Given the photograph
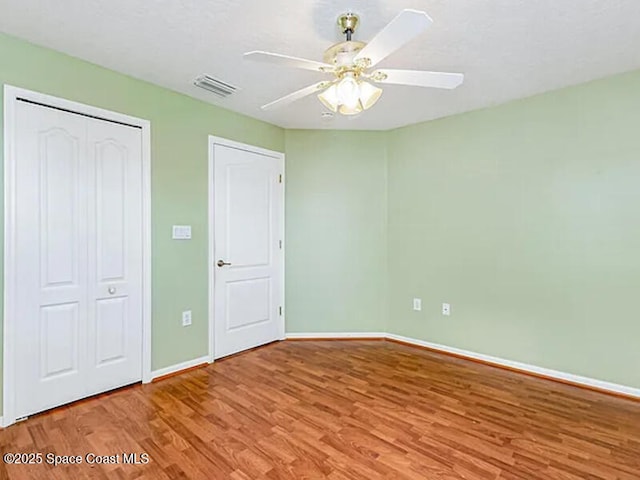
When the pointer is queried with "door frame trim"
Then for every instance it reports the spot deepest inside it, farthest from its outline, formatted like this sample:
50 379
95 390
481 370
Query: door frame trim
11 96
213 141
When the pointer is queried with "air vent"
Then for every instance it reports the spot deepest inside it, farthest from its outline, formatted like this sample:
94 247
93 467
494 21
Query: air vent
213 85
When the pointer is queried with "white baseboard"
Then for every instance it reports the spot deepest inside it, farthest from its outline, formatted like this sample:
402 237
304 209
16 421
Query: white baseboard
335 335
180 366
500 362
524 367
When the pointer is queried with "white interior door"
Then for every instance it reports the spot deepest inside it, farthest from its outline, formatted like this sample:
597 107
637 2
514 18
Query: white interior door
248 256
78 197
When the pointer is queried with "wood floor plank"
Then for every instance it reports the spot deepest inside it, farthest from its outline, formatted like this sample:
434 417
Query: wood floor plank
342 411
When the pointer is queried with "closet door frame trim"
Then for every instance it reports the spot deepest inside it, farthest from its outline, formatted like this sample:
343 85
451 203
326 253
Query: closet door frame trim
11 96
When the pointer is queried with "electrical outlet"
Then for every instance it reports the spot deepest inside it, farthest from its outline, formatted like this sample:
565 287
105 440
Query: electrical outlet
186 318
446 309
417 304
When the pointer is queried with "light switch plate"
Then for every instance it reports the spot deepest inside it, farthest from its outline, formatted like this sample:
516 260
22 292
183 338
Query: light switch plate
186 318
417 304
181 232
446 309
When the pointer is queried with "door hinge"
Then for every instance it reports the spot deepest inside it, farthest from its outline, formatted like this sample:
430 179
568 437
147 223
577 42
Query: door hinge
280 310
280 178
280 244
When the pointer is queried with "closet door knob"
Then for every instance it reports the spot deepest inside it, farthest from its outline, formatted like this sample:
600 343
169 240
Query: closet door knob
112 290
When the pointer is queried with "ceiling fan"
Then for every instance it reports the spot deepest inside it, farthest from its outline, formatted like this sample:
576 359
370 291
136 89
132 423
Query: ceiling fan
352 65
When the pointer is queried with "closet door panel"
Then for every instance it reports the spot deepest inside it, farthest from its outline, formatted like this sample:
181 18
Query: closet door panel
115 255
51 258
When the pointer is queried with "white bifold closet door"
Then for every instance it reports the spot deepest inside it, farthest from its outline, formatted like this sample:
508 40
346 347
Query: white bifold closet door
78 196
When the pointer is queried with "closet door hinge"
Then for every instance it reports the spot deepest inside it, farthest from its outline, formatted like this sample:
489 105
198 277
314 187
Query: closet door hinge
280 311
280 178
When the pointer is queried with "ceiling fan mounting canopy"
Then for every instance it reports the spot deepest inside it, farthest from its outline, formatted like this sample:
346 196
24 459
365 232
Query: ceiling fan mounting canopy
351 64
348 22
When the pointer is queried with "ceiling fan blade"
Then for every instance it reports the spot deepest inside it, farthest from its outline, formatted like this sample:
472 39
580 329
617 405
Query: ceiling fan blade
287 61
297 95
418 78
407 25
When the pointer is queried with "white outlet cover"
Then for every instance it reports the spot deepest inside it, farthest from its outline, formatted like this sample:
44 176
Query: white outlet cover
181 232
417 304
446 309
186 318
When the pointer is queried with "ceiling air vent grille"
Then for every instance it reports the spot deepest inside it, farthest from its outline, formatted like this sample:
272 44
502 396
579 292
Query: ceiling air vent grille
213 85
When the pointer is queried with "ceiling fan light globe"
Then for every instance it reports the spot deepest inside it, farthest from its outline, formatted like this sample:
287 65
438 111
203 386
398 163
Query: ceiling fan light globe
329 98
348 92
346 110
369 95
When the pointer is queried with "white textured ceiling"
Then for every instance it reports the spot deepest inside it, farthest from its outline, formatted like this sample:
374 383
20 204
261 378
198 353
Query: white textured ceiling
506 48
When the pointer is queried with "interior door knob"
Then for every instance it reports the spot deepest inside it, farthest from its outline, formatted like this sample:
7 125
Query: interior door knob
222 263
112 290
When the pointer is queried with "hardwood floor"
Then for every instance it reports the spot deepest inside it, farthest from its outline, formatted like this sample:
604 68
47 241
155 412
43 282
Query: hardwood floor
339 410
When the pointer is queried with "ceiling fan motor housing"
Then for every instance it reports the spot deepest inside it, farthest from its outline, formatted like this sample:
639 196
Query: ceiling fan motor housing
342 54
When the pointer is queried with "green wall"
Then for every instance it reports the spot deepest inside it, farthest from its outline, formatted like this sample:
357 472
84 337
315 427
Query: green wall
526 219
179 129
336 238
